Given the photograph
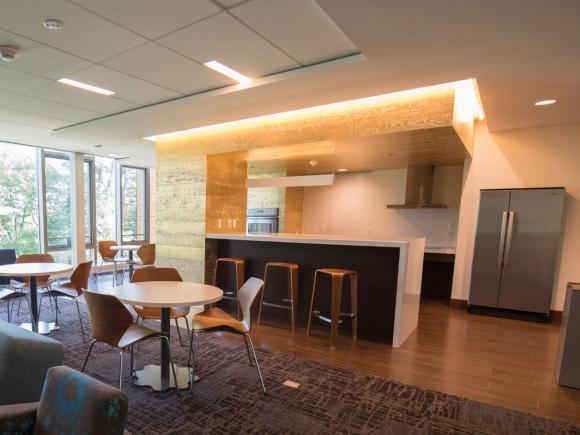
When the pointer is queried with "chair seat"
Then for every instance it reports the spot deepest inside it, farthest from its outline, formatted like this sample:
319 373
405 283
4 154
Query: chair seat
6 294
217 318
65 289
25 285
155 313
135 333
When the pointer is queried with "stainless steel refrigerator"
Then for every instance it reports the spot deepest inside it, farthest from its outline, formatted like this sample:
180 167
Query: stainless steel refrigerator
516 250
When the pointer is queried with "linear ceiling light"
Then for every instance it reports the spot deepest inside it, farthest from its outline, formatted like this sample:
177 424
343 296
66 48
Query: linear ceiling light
85 86
229 72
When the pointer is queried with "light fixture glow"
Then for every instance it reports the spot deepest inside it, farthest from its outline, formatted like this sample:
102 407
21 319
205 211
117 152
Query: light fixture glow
85 86
114 155
545 102
342 170
228 72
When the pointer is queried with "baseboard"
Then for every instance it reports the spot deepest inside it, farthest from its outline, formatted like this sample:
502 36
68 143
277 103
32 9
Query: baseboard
458 304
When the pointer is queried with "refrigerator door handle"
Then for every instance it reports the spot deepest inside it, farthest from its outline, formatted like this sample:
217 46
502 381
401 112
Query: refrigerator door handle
501 240
508 245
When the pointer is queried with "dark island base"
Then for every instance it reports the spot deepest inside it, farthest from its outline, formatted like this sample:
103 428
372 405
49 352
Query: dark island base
377 269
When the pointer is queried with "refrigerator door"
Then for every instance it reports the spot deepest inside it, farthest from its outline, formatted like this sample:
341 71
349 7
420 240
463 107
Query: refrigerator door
531 251
489 247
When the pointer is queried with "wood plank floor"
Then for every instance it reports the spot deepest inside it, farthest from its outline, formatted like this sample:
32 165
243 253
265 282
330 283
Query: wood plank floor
499 361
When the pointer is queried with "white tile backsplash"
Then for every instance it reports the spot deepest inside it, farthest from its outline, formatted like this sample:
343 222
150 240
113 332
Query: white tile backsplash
356 205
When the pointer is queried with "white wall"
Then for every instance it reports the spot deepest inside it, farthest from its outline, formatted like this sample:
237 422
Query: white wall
532 157
356 205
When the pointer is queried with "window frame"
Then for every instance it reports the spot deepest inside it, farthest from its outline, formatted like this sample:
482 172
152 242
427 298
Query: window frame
146 210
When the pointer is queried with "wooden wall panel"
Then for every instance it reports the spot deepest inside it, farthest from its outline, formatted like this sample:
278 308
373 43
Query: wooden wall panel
293 209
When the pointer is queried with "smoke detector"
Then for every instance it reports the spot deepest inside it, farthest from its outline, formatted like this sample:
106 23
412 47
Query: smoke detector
52 24
8 53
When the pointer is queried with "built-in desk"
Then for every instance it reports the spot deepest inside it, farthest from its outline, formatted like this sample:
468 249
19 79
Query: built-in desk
389 272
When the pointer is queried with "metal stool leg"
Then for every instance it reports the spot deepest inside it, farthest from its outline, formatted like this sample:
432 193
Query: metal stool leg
311 303
354 304
335 302
262 295
293 290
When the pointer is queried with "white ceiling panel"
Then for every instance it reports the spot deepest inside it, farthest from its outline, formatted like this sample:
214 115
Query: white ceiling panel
35 106
71 96
151 18
39 59
18 81
84 33
299 27
7 115
225 39
161 66
125 87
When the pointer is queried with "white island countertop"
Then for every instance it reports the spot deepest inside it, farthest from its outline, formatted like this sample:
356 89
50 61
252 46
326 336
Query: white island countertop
320 239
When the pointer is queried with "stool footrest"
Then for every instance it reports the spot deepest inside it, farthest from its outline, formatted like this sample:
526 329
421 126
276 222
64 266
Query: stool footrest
326 317
275 305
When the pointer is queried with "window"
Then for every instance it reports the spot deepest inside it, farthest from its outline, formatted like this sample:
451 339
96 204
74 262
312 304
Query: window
134 205
57 206
89 206
19 227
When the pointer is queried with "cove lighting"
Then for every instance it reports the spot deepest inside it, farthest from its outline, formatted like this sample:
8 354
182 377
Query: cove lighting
342 170
85 86
228 72
544 102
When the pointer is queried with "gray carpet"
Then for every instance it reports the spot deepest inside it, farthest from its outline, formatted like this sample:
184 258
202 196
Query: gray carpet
228 399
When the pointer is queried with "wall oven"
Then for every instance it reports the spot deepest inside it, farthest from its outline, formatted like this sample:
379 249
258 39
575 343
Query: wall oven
262 220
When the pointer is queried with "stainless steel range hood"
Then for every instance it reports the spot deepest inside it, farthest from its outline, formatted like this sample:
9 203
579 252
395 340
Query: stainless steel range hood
419 190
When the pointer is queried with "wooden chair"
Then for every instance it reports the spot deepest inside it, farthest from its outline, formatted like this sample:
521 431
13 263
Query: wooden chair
8 256
109 255
160 274
41 281
146 254
216 319
112 324
71 290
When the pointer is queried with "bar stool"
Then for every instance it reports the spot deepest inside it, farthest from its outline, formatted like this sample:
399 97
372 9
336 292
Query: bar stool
292 288
238 269
337 277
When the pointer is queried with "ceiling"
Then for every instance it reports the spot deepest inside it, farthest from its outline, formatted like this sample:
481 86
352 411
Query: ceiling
153 61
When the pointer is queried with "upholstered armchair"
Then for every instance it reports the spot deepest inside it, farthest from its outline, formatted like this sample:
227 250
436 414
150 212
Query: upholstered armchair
71 403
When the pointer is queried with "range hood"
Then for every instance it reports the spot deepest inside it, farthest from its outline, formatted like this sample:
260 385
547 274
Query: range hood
419 190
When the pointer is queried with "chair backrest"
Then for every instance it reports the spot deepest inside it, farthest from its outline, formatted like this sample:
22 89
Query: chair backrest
7 256
105 249
73 402
36 258
156 274
246 296
146 254
80 277
109 317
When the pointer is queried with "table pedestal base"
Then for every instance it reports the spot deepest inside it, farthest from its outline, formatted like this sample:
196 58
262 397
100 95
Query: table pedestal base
150 376
43 327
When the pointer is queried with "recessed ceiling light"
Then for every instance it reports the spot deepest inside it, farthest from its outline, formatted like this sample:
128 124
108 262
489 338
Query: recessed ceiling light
544 102
228 72
85 86
342 170
52 24
8 53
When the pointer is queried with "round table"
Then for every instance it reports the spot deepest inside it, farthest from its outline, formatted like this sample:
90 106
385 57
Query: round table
32 271
164 295
130 249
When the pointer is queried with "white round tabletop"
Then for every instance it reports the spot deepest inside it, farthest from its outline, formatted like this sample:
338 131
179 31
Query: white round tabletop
159 294
34 269
125 247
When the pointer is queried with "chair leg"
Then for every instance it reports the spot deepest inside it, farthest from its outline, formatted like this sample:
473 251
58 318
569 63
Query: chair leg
187 326
80 320
171 360
248 349
40 306
256 361
8 308
88 354
121 369
178 332
311 304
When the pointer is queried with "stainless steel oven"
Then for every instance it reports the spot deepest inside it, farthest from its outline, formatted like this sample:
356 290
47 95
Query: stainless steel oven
262 220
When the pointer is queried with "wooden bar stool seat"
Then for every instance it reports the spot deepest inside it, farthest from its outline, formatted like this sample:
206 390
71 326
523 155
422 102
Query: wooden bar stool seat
236 266
337 278
291 302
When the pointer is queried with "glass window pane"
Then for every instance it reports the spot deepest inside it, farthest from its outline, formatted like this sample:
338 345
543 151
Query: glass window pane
18 199
88 179
105 203
133 199
58 208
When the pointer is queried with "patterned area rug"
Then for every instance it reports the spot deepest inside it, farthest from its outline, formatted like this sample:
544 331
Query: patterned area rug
228 398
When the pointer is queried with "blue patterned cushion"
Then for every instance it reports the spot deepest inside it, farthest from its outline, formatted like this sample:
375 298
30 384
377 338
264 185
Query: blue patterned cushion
74 403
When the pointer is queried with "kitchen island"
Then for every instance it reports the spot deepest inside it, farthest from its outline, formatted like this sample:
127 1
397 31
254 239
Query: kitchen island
389 273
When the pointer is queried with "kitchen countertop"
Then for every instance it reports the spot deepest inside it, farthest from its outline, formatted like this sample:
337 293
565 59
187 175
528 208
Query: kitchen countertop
395 242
